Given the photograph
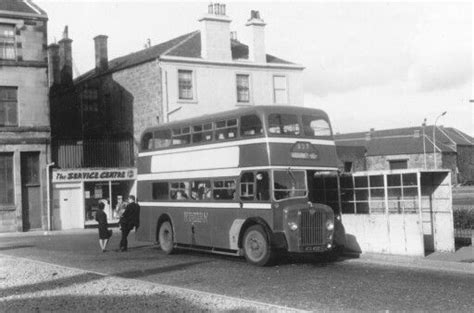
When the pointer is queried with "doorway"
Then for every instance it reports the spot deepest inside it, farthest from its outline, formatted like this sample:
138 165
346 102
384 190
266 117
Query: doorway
70 208
31 191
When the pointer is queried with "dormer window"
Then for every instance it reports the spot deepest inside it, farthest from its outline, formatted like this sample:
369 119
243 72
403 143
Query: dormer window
7 42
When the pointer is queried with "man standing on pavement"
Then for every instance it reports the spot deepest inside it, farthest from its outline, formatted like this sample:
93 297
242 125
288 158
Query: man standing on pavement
129 219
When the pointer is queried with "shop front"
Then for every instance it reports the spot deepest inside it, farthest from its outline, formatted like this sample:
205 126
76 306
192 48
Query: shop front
77 194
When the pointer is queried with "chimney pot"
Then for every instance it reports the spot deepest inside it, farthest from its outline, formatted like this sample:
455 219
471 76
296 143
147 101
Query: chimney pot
54 72
65 58
257 52
215 29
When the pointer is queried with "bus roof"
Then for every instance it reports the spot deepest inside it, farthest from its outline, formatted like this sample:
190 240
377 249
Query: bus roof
258 109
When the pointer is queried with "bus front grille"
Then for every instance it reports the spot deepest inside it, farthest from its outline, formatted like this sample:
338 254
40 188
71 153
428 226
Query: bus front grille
312 228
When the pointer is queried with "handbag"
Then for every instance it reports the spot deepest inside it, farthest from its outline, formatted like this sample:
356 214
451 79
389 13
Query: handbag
110 232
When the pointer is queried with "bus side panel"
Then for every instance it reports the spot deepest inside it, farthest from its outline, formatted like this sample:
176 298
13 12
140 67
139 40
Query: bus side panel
147 230
253 155
144 191
281 155
144 164
192 226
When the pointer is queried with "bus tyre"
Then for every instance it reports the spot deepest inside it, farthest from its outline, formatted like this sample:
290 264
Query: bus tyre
257 248
165 237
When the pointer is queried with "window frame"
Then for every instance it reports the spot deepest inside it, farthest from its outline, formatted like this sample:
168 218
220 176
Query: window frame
10 103
193 85
275 89
249 89
397 161
9 184
13 43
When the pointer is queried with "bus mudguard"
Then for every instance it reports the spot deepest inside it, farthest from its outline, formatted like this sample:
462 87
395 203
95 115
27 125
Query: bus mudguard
255 221
234 232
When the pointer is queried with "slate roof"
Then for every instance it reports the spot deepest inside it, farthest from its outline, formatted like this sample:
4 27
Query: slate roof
20 6
405 140
188 45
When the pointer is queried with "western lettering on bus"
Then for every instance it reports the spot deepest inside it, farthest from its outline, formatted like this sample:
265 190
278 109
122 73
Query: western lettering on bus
238 183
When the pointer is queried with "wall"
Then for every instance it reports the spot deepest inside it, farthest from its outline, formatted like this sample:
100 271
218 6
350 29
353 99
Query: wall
215 88
381 162
465 162
29 73
143 84
449 162
11 215
32 83
356 155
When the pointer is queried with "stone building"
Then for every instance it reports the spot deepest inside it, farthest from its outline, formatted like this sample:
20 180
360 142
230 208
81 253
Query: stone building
411 147
98 118
24 116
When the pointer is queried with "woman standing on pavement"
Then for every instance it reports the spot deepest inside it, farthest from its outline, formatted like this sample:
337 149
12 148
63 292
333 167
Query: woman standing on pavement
104 232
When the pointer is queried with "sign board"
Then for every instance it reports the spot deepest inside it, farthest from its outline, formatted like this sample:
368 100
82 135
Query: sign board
304 150
94 175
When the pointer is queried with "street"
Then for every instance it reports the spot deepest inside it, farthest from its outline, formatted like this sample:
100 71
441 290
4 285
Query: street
296 282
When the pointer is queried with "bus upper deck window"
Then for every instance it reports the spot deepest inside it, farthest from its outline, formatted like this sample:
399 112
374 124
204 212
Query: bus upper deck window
181 136
285 124
226 129
202 132
162 138
250 125
147 143
316 126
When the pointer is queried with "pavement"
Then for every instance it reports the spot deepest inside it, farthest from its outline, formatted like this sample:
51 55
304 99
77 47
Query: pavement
460 261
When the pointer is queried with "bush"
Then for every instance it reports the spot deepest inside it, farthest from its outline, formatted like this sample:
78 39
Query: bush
463 217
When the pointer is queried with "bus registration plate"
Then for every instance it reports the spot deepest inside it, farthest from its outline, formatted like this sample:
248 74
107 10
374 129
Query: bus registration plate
315 248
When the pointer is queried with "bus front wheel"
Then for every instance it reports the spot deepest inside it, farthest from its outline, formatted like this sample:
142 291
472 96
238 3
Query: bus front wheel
257 248
165 237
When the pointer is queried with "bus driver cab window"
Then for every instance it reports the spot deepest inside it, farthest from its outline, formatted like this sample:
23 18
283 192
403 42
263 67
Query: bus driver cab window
254 186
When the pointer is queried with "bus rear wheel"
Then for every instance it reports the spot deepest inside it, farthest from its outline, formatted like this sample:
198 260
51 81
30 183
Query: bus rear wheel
257 248
165 237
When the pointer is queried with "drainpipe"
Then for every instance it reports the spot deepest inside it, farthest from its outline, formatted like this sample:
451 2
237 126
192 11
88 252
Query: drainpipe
48 191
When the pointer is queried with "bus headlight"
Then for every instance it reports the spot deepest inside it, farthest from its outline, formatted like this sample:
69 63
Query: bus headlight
293 226
329 225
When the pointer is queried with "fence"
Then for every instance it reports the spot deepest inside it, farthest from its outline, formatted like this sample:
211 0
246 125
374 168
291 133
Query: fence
69 153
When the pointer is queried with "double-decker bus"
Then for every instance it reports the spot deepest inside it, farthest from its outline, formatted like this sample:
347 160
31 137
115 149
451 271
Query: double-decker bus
239 182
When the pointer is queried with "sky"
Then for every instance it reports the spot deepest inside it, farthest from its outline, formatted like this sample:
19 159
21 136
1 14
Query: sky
367 64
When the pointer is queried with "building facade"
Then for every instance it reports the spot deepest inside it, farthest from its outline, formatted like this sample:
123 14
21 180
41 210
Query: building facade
425 147
98 118
24 117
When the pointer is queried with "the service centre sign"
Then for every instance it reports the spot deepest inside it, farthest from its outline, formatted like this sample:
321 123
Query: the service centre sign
94 175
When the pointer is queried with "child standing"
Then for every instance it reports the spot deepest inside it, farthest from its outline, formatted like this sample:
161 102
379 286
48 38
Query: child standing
104 232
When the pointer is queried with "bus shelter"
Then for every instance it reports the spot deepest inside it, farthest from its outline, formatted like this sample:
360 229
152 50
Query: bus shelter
405 212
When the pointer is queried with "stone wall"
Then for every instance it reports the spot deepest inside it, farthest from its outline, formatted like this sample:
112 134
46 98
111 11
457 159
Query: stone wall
375 163
144 86
28 73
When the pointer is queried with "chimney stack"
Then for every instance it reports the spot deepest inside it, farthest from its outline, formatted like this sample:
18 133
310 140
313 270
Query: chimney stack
257 51
65 58
101 57
54 74
215 30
